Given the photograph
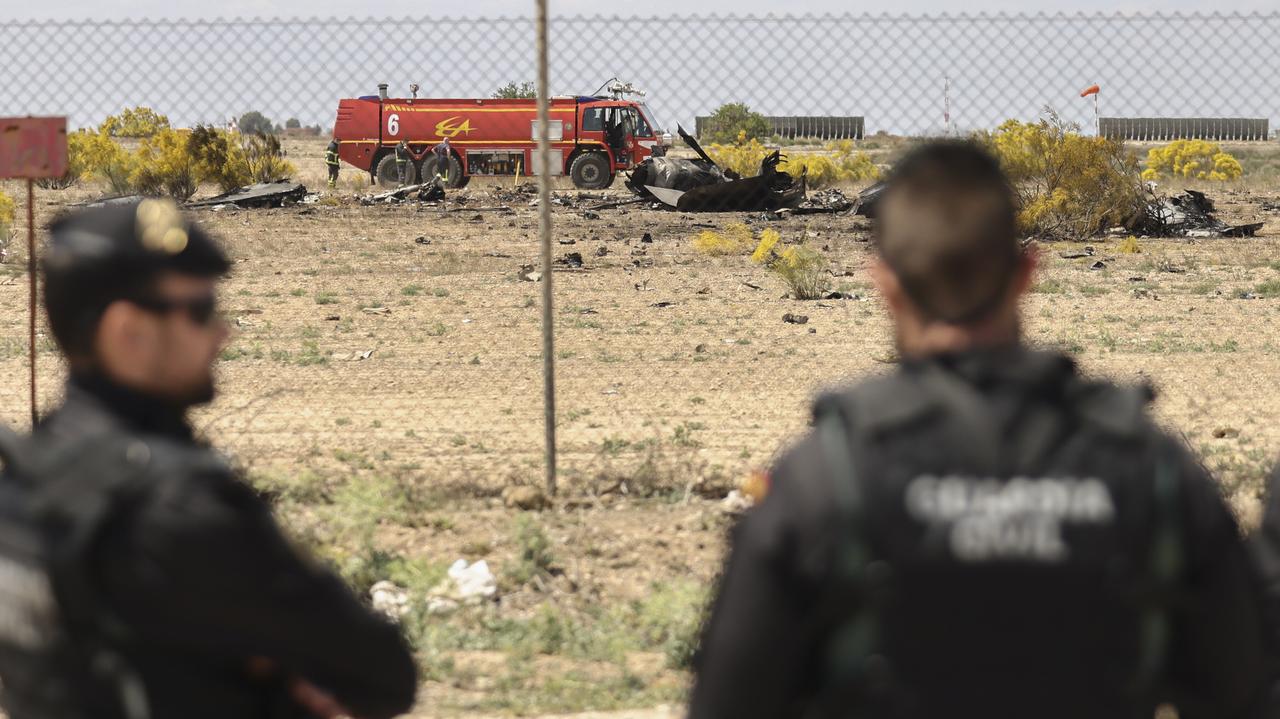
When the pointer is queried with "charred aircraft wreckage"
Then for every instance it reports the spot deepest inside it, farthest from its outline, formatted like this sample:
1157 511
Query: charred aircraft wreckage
700 185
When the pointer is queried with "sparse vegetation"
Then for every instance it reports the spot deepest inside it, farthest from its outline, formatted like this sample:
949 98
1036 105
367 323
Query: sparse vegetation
677 381
514 91
735 239
1070 186
804 270
134 122
735 122
841 162
7 209
1192 159
255 123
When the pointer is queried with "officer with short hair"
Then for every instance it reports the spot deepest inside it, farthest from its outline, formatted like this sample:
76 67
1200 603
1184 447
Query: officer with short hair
177 594
331 160
983 532
443 154
403 158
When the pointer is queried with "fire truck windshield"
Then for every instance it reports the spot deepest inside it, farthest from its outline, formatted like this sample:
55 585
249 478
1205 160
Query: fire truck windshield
643 127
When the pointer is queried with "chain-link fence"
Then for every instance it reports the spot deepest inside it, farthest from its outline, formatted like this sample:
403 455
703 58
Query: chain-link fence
388 342
812 78
912 75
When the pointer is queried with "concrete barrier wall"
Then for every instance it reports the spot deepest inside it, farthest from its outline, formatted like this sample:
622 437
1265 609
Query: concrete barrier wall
803 127
1164 129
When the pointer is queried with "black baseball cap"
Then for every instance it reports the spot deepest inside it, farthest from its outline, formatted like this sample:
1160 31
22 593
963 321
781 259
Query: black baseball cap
102 254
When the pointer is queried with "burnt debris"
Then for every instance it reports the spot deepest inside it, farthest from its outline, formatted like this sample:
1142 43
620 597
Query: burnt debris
1190 214
703 186
263 194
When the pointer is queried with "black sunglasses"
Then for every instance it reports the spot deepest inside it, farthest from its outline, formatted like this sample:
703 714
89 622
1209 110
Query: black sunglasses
201 310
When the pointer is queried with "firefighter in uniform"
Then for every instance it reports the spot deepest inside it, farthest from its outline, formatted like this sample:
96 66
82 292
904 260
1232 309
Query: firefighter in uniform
331 160
403 158
182 598
983 533
443 154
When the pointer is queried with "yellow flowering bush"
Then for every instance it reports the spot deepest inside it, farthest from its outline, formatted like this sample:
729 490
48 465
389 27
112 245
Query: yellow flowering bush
7 210
1192 159
101 156
802 269
175 162
135 122
734 240
841 162
764 251
1068 185
163 164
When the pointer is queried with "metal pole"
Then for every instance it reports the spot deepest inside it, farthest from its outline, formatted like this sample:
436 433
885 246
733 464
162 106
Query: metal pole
946 105
544 234
31 281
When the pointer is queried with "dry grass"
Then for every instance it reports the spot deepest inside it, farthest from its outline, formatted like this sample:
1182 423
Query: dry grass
660 404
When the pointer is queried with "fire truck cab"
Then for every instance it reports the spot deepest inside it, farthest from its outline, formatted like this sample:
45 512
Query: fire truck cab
592 137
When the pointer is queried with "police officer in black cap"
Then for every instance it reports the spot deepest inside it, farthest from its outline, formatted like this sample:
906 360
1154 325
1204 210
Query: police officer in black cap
179 595
984 532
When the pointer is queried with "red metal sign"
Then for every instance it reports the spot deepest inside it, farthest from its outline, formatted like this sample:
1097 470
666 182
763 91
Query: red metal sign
33 147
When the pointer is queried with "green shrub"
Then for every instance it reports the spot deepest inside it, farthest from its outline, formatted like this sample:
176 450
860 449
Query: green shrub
804 270
254 122
533 553
265 158
513 91
219 157
735 122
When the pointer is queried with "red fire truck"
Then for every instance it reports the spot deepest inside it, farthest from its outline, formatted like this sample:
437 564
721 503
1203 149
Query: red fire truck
592 137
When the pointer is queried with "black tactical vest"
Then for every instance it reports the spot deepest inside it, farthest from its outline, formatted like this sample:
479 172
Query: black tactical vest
1004 550
59 651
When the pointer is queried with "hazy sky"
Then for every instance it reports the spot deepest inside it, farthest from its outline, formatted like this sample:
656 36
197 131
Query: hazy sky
106 9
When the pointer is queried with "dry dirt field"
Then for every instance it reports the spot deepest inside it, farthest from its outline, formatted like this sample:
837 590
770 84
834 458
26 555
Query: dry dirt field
384 388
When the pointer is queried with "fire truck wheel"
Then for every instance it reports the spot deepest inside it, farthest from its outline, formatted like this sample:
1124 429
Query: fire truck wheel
456 178
590 171
387 174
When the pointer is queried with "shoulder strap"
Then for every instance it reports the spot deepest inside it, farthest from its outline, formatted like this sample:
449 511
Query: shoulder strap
856 600
1162 575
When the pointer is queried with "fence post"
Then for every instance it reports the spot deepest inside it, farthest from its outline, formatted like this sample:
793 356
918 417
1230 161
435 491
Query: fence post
544 235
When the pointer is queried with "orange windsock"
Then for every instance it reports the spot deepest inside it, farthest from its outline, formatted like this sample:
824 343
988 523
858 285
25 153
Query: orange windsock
1091 90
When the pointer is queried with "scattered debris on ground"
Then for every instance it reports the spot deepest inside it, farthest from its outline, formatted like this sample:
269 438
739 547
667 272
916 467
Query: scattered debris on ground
389 599
466 585
1076 255
425 192
571 259
1191 214
263 194
110 201
831 201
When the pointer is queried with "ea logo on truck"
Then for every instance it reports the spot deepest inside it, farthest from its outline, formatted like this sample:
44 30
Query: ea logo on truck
450 128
